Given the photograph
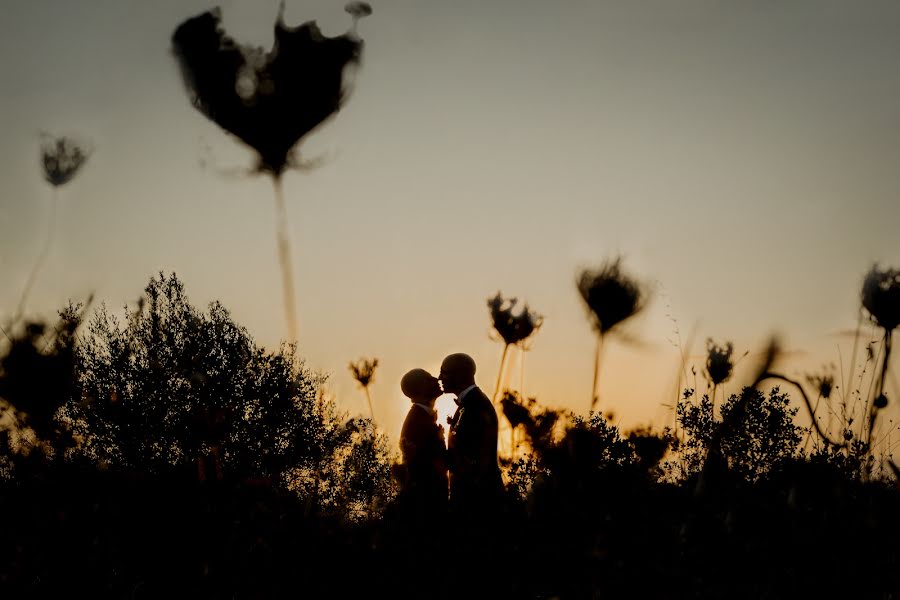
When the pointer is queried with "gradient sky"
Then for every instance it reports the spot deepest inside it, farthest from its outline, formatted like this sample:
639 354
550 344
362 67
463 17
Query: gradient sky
742 155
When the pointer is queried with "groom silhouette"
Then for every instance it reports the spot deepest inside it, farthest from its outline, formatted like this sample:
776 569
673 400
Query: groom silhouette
475 482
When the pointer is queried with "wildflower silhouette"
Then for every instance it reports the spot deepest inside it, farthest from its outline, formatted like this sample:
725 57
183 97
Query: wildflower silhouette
363 372
61 159
517 413
719 364
611 297
881 298
823 383
358 10
268 100
514 328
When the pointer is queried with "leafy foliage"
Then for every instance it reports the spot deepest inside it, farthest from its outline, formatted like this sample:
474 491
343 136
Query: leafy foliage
168 451
762 438
176 388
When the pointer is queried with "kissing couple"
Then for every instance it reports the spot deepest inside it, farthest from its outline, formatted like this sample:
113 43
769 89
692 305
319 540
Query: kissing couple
468 461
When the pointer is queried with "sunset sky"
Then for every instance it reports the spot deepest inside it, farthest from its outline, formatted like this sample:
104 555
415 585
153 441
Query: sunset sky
741 155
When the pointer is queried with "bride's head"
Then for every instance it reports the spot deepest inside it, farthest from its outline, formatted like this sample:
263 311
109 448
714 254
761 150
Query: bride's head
420 386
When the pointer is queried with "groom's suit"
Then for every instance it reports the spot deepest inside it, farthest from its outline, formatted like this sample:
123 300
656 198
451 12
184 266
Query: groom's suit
475 482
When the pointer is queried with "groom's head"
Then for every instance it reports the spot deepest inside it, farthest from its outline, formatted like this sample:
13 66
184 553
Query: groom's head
457 373
420 386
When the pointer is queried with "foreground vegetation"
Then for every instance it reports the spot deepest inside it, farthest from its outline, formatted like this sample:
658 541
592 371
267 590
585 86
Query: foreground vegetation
165 454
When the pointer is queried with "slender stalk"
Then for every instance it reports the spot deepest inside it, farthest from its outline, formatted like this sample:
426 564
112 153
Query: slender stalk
595 396
866 426
852 361
45 251
880 388
369 400
284 258
888 344
500 373
522 372
809 433
714 390
506 384
503 357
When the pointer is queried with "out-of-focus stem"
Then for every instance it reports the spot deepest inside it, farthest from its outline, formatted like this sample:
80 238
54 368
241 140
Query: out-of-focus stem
284 258
500 373
42 257
595 396
369 400
880 388
809 407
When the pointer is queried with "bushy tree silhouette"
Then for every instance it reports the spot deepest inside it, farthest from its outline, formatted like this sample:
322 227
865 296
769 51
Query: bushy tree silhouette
37 373
762 438
174 388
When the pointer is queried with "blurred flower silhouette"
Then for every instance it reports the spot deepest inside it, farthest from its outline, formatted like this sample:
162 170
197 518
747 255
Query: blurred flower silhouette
513 327
611 297
823 384
358 10
517 413
269 100
363 372
61 159
649 447
881 297
718 361
514 411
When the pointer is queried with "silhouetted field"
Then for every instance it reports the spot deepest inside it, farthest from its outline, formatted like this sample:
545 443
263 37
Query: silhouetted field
164 453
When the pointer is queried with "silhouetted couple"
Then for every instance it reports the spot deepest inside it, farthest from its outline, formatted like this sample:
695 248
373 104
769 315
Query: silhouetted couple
470 457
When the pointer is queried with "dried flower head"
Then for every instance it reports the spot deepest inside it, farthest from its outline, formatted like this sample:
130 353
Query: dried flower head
611 296
718 361
514 411
358 10
513 327
61 159
822 382
363 371
649 447
881 297
269 100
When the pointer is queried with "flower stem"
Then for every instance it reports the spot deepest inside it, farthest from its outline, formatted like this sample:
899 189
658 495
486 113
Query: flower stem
852 365
879 388
369 400
41 257
595 396
813 416
500 372
284 258
522 372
